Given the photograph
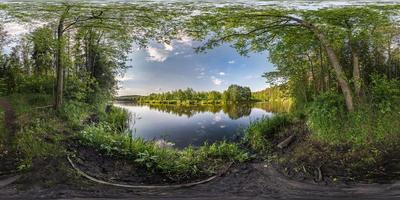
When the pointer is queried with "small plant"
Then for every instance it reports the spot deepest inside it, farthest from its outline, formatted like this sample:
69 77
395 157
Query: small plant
146 159
260 133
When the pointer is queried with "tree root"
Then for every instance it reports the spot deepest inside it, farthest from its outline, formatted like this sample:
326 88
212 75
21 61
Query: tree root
146 186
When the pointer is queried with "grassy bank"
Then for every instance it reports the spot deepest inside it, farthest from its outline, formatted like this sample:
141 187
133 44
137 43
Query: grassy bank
172 164
348 146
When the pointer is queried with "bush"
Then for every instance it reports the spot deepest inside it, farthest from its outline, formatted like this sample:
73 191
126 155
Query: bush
327 115
385 93
117 118
38 139
36 84
370 123
259 134
75 112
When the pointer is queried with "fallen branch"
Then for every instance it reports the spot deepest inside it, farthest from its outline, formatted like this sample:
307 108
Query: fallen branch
145 186
286 142
37 108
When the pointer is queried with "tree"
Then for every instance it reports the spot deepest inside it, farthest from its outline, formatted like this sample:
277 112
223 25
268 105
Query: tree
250 29
136 22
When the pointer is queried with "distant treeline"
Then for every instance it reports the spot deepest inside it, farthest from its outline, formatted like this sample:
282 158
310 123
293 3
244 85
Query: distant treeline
272 94
234 94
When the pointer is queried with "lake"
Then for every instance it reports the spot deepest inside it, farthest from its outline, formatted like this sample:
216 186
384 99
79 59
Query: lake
195 124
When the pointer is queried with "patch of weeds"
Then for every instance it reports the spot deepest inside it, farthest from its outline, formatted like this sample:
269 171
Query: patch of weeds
75 112
259 134
39 139
117 118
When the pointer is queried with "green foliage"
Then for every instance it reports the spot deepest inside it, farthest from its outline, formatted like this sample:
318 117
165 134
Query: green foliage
78 89
370 124
259 134
25 103
36 84
385 93
172 163
236 93
233 94
38 139
117 118
75 112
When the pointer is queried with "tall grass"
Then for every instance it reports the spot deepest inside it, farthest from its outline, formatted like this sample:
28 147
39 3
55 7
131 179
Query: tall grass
376 121
259 134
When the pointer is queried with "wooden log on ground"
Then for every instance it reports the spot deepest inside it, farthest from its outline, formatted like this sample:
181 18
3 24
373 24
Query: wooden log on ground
286 142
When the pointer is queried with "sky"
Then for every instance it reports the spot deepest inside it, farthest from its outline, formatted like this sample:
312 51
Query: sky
160 68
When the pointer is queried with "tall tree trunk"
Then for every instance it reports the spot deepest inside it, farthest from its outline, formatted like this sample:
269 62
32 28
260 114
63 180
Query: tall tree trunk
59 65
356 73
334 60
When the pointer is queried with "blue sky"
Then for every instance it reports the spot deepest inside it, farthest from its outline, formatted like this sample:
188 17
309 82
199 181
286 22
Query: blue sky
163 67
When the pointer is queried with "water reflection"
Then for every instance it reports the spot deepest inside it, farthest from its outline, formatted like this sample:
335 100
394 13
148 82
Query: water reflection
234 111
186 125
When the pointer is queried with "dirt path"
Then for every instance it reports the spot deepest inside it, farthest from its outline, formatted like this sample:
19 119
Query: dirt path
9 119
8 158
247 181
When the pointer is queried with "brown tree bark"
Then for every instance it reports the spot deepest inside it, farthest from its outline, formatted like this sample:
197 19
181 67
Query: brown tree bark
58 101
356 73
334 60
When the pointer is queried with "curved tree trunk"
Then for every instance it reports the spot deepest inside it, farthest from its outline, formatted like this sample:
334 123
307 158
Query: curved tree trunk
334 60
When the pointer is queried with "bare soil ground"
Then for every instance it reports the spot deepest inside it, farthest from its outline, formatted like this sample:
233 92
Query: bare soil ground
8 157
253 180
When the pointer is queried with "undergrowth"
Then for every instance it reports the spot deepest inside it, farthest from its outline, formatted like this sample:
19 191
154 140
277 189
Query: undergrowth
260 133
174 164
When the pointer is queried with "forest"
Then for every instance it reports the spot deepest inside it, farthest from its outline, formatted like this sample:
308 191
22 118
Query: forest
337 68
234 94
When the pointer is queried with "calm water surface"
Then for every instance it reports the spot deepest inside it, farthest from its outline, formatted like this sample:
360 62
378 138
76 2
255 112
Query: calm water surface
193 125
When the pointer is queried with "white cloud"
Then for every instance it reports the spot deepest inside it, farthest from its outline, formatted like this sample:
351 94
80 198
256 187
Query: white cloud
157 55
184 39
216 81
168 47
231 62
125 77
222 73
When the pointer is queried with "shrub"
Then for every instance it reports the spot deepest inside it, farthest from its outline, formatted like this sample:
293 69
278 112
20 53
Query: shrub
117 118
38 139
260 133
370 123
75 112
385 93
327 115
36 84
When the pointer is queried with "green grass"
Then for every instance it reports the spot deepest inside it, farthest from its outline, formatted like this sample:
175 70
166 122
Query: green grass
41 130
117 118
172 163
259 134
